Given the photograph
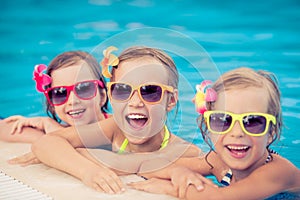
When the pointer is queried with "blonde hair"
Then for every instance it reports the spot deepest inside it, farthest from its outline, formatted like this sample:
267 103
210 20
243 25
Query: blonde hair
161 56
244 77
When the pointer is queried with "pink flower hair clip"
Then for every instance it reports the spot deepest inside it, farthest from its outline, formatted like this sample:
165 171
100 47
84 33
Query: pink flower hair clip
204 94
40 78
108 60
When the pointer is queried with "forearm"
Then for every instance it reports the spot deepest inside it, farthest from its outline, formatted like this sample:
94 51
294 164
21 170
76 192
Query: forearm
130 162
27 135
56 152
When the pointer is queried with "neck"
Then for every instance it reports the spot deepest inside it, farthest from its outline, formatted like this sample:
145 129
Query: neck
101 116
151 144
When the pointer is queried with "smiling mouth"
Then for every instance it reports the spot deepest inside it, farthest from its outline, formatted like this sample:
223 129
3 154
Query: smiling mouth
76 112
137 121
237 149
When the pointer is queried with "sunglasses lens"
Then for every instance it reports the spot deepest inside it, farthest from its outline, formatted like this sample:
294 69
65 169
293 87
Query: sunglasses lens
120 91
58 95
254 123
86 90
220 122
151 93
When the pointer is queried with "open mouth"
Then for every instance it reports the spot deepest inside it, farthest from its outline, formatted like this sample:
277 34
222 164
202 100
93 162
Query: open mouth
137 121
238 151
75 113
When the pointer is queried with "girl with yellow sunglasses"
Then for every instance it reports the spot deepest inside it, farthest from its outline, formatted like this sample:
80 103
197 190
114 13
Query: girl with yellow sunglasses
240 119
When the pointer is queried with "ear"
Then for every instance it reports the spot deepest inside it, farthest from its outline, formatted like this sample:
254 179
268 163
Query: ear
271 135
103 96
172 101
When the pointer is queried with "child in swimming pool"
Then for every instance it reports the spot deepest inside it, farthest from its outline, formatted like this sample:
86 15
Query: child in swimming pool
143 89
76 94
240 124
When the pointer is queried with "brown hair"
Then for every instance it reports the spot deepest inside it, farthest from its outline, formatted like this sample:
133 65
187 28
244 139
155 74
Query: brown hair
67 59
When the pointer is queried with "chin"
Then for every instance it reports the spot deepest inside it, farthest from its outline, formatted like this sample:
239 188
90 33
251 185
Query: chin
137 141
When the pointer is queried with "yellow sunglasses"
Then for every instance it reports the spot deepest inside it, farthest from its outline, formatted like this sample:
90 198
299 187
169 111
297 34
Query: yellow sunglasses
254 123
150 92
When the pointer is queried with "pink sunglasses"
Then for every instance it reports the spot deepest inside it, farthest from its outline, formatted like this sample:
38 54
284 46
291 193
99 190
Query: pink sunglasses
83 90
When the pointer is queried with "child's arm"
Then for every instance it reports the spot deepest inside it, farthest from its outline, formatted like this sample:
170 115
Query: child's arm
45 124
28 135
90 135
277 176
57 152
142 163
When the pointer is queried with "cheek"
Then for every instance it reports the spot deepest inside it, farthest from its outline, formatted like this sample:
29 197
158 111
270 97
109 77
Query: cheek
216 140
61 115
158 115
117 107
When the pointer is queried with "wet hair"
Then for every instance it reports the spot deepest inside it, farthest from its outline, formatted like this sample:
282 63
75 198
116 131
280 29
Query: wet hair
243 78
67 59
141 51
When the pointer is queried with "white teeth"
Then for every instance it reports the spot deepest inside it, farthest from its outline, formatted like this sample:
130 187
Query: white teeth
237 147
75 112
136 116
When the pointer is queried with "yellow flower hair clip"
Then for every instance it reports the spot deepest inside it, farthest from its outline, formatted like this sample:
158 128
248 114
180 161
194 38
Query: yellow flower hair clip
108 60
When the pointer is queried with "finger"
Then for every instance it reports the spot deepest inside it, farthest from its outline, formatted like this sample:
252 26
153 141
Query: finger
14 128
97 188
22 159
116 184
104 186
11 119
137 185
182 189
206 181
31 162
19 128
16 160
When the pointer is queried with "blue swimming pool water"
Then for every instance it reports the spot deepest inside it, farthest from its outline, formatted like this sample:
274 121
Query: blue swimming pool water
260 34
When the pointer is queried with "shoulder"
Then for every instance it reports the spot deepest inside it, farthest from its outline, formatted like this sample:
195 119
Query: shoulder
280 172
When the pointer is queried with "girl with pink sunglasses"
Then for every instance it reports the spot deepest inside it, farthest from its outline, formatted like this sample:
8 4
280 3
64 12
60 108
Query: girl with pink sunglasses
75 94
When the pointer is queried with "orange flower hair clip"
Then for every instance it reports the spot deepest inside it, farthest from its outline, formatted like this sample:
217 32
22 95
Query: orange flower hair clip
108 60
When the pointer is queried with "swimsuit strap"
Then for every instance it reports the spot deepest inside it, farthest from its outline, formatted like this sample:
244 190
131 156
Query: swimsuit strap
163 144
269 157
166 138
123 146
227 178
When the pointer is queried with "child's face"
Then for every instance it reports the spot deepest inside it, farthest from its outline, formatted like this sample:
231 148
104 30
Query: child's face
237 149
75 110
140 120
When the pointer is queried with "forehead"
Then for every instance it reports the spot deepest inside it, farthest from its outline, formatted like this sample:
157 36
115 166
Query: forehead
250 99
141 70
77 72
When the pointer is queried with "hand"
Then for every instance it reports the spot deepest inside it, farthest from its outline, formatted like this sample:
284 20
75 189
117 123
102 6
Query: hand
44 124
155 185
19 122
182 177
25 160
102 179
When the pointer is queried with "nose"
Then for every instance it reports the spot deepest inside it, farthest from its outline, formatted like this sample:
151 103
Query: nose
73 99
135 100
236 130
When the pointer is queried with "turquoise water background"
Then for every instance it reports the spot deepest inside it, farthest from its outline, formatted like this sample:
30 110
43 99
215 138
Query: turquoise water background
257 34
